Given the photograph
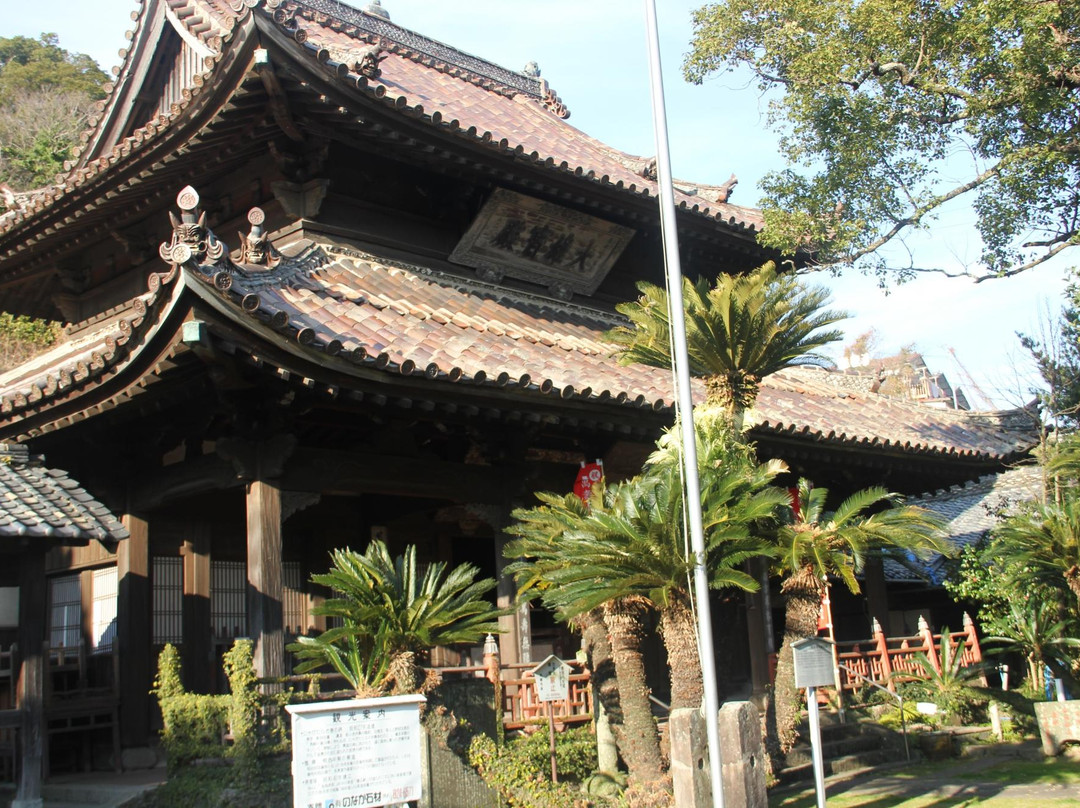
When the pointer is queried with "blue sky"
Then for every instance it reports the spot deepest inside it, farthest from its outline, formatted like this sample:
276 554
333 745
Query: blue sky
593 55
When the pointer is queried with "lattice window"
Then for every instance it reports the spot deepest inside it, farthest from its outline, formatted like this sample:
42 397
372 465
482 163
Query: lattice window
294 615
65 611
104 609
168 614
228 598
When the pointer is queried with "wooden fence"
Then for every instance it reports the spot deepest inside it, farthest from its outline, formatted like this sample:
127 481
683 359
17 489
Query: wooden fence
882 659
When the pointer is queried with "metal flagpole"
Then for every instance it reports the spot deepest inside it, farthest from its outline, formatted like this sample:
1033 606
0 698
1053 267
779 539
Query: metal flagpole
686 405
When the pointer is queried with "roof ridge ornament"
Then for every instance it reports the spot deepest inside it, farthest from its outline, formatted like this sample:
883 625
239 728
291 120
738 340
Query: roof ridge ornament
255 247
191 238
375 9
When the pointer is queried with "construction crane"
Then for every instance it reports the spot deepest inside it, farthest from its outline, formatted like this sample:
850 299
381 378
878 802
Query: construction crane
970 381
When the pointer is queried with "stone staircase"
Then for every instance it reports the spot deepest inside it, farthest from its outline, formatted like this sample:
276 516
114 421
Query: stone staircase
850 747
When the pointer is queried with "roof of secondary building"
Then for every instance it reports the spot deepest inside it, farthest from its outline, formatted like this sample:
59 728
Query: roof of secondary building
39 503
971 510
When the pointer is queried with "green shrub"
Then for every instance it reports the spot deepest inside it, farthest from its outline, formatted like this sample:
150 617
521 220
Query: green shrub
575 753
243 704
193 727
520 770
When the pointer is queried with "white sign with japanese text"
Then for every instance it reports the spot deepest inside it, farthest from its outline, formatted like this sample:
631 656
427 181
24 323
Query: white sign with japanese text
552 677
362 752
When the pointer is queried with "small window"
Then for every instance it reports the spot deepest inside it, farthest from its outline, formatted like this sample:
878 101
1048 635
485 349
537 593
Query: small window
168 600
295 601
65 611
104 610
228 598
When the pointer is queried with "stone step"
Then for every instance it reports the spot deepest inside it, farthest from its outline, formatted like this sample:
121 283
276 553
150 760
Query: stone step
847 763
834 749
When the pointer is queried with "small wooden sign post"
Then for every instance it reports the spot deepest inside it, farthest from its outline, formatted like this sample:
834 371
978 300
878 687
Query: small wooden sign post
552 678
813 669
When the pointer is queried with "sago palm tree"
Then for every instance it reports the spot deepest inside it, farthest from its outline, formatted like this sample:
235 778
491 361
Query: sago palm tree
1035 629
1043 544
817 545
738 330
391 616
545 540
628 551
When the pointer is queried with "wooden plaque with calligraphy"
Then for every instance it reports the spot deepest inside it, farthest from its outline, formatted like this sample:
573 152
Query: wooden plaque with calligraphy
521 237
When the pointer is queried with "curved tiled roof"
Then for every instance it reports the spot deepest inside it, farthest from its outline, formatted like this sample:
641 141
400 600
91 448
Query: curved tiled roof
42 503
351 311
449 92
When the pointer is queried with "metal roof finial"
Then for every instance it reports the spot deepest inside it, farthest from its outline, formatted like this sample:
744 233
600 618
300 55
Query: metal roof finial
375 9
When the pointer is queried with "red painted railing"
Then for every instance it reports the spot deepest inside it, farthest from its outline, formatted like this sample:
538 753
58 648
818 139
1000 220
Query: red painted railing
884 659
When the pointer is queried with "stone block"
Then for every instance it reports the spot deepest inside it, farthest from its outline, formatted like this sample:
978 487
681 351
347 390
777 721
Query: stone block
1059 722
743 759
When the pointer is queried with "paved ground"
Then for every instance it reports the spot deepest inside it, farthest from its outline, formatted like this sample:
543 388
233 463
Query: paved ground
95 789
947 780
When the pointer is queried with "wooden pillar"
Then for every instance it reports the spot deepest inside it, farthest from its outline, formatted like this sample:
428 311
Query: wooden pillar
877 595
196 649
509 625
31 688
884 661
928 643
133 631
264 600
758 629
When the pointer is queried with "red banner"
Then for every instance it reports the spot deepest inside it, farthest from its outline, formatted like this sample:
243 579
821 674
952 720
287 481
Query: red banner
588 475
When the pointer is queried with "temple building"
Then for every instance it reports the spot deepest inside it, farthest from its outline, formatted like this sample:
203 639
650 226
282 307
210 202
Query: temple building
327 280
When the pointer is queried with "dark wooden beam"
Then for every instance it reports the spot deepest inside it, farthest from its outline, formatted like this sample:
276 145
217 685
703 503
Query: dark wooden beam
197 651
31 688
133 631
264 591
334 472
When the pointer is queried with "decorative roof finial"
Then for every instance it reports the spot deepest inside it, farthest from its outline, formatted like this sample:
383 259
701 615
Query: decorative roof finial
191 238
255 247
532 70
375 9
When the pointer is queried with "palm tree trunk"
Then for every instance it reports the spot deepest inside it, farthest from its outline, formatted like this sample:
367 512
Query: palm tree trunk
605 687
680 638
641 747
803 591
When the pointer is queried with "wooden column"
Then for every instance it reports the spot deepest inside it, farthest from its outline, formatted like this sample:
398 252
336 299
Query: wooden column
133 609
197 650
877 596
31 689
264 600
757 627
509 625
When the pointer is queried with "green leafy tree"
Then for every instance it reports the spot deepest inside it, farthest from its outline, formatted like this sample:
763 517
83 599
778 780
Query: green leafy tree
1057 358
391 615
46 95
1041 542
892 109
28 65
738 330
21 338
817 545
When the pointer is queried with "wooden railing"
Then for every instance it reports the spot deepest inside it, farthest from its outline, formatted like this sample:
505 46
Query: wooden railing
521 708
884 659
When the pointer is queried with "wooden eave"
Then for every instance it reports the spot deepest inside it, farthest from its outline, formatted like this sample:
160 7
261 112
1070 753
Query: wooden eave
142 171
351 110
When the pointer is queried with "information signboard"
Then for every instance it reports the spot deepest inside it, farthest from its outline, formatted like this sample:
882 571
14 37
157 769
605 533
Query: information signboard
552 680
813 663
362 752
